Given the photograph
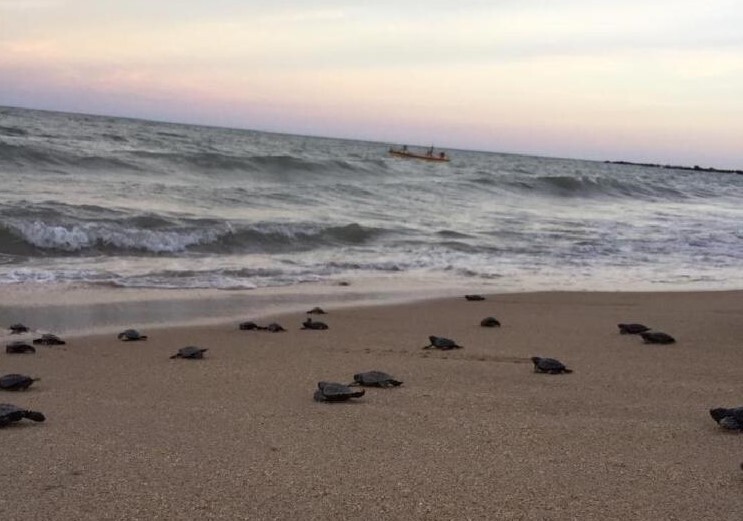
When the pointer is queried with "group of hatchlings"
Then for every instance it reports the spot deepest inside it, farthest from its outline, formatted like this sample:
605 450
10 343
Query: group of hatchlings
728 418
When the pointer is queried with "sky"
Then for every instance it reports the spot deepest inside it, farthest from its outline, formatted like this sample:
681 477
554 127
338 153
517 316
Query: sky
641 80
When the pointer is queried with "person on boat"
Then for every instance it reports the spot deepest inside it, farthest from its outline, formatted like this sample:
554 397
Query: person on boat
405 148
442 155
430 151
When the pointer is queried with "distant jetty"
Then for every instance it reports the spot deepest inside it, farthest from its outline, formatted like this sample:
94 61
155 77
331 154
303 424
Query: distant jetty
695 168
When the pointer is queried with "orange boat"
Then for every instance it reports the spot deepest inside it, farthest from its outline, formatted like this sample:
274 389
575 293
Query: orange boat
427 156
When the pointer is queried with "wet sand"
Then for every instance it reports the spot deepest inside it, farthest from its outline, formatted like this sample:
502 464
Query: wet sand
472 433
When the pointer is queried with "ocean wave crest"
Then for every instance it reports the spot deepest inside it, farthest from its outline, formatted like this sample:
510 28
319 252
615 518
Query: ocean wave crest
149 235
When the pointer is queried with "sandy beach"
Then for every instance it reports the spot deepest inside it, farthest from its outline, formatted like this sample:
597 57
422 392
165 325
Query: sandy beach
472 434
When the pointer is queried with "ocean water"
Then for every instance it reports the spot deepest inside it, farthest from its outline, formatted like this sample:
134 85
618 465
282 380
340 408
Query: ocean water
128 203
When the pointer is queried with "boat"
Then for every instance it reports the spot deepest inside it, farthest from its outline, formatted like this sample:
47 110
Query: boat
429 155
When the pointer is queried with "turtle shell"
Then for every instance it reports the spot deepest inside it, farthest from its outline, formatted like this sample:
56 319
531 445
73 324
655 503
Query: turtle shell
490 322
274 327
440 342
49 340
18 328
19 347
549 365
335 392
15 382
191 352
376 379
131 335
249 326
632 329
656 337
313 324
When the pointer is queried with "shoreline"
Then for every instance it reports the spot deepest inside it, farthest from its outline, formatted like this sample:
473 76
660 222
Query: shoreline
84 310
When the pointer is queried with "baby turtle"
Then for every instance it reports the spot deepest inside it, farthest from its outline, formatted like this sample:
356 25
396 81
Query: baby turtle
11 413
49 340
249 326
632 329
375 379
274 327
439 342
18 347
474 297
490 322
131 335
549 365
16 382
317 311
728 418
191 352
314 324
17 329
656 337
335 392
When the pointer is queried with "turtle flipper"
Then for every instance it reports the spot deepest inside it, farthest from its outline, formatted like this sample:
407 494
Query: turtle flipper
730 422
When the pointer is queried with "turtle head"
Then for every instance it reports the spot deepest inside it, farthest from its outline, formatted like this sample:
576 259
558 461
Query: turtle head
718 413
321 385
35 416
536 359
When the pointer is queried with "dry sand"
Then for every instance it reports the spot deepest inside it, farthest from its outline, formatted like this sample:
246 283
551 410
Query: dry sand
472 434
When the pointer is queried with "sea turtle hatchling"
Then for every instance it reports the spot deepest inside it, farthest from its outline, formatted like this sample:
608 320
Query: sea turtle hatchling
49 339
728 418
474 297
11 413
632 329
274 327
656 337
490 322
16 382
375 379
191 352
17 329
249 326
19 347
314 324
335 392
439 342
549 365
131 335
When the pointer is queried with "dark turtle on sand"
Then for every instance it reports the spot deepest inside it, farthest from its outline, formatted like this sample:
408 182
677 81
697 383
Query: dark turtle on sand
728 418
249 326
335 392
375 379
549 365
656 337
17 329
490 322
314 324
49 340
11 413
131 335
191 352
439 342
632 329
274 327
18 347
474 297
317 311
16 382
